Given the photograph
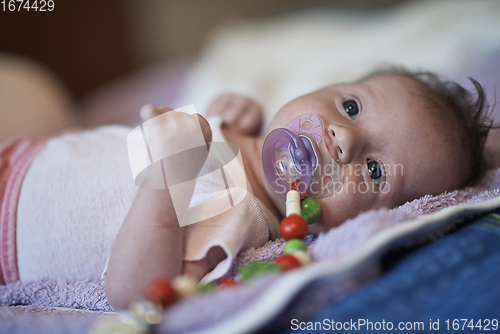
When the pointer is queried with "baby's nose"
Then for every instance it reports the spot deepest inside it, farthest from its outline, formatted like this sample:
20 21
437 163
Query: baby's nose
346 142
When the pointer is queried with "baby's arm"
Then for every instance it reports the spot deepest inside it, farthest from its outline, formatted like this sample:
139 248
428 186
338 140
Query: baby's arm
150 243
238 111
148 246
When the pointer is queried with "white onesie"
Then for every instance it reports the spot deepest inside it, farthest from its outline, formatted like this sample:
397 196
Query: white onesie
78 191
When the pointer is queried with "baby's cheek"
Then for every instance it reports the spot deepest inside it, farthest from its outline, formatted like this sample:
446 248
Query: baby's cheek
332 214
341 206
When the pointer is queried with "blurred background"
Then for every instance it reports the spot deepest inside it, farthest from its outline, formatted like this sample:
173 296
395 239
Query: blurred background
88 63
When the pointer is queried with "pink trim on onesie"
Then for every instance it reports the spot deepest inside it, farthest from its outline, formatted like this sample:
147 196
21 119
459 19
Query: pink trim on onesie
16 156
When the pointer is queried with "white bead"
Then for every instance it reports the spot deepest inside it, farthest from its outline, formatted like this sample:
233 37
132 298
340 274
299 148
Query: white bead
293 203
185 286
128 318
107 325
148 311
302 256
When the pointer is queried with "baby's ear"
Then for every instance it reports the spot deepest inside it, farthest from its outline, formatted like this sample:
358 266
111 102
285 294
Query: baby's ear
149 111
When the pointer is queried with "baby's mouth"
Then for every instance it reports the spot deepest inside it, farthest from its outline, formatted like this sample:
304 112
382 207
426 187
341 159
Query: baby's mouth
300 143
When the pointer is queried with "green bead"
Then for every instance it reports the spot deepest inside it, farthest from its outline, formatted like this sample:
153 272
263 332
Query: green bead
293 245
310 210
257 268
207 288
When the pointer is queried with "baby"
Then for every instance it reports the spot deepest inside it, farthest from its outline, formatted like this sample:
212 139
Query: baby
433 131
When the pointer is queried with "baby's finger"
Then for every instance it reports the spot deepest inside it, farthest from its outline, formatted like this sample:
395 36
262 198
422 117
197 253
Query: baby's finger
250 122
235 110
205 128
218 105
162 110
150 111
147 112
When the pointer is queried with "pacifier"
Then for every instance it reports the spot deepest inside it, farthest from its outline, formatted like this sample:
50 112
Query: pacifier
298 151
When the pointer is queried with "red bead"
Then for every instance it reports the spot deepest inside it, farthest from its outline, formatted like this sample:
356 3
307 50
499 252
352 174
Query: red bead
229 282
161 291
288 262
293 227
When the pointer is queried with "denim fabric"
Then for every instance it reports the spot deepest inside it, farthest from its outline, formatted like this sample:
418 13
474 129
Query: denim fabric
456 277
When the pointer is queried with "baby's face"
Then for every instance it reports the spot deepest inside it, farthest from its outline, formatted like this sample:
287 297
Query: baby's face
385 139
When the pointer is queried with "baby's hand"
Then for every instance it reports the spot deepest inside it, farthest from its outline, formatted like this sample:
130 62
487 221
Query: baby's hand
150 111
238 111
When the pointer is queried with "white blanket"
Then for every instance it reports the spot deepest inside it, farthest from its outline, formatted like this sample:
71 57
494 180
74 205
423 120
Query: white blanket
276 60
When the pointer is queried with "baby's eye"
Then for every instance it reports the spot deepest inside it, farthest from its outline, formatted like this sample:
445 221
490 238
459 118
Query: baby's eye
351 108
375 171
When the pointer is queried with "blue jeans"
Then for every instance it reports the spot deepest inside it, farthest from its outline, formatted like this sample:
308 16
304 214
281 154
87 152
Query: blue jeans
456 277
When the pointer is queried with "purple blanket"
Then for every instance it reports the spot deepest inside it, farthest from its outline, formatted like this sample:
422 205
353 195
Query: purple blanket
32 305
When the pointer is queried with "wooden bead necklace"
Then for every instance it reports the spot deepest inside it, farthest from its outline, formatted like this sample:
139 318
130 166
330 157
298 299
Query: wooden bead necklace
301 211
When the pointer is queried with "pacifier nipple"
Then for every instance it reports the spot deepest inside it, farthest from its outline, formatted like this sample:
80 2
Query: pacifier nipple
297 151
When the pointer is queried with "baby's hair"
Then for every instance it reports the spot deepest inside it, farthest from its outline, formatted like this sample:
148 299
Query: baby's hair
470 116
